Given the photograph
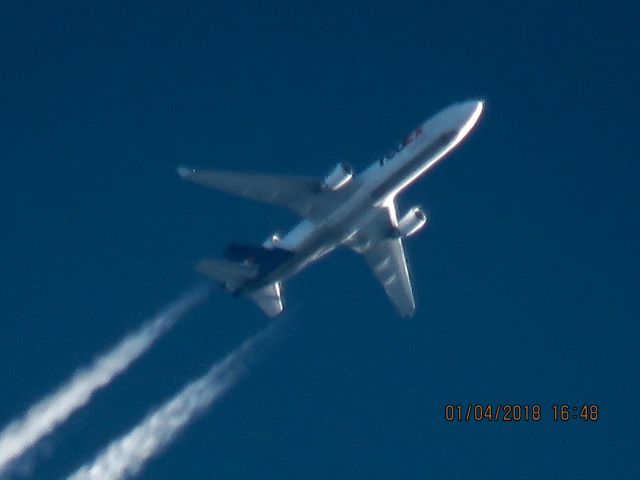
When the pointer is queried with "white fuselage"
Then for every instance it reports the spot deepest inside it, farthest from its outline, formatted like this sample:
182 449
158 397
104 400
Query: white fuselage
373 189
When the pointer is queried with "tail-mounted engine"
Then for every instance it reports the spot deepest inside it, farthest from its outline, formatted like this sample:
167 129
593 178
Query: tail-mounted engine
339 176
272 241
412 221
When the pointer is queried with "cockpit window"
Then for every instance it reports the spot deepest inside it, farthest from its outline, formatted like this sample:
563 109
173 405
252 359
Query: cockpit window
391 153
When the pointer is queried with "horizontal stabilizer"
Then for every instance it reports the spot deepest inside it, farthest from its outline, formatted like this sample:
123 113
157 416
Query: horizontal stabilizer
269 299
232 274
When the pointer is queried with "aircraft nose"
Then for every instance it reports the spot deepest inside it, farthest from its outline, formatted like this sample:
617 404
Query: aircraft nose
463 112
460 116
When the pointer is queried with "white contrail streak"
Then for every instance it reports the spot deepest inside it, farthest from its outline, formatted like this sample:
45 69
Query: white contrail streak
51 411
127 455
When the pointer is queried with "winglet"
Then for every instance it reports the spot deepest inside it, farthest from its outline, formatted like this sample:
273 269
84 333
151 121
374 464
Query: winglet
185 171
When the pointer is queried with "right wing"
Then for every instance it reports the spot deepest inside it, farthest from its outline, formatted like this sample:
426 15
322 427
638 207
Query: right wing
303 195
385 255
388 262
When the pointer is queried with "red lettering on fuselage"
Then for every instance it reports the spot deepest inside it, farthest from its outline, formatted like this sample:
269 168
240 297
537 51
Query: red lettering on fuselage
412 136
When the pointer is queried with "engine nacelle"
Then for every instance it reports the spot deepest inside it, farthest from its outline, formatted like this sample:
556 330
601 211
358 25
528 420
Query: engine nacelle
339 176
413 221
272 242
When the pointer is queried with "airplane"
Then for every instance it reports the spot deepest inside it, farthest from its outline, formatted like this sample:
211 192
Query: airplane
358 212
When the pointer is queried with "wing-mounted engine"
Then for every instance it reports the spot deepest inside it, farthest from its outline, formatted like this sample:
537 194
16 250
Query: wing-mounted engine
272 241
411 222
339 176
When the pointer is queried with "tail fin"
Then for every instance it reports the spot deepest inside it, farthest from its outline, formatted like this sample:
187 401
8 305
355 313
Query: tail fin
231 274
238 252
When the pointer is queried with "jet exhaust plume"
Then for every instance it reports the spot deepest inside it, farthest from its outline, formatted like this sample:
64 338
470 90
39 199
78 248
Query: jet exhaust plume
127 455
43 417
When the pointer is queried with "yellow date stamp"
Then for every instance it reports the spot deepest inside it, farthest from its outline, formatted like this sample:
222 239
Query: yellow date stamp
520 412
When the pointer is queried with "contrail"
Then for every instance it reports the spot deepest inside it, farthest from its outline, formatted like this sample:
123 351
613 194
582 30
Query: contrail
51 411
127 455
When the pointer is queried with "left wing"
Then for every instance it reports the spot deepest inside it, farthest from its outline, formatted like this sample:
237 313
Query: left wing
385 255
302 195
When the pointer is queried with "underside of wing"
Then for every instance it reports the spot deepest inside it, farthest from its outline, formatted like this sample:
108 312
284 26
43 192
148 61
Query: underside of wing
387 259
385 255
302 195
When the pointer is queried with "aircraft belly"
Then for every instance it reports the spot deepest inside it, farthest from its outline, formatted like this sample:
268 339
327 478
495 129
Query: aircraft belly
318 242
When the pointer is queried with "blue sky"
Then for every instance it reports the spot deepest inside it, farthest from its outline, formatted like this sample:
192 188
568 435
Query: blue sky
526 277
